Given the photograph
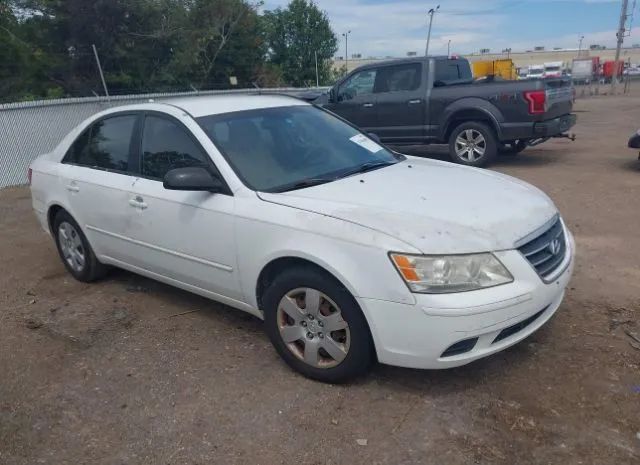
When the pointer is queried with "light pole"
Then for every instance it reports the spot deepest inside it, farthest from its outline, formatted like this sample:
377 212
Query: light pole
432 11
580 46
346 50
449 48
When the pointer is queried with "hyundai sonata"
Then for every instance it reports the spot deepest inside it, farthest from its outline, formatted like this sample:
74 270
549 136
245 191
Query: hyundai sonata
350 252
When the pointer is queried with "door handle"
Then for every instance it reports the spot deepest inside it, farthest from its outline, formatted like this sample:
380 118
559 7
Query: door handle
138 202
415 102
367 105
72 188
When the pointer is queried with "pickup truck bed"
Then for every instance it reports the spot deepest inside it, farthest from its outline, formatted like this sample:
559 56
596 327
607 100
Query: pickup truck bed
435 100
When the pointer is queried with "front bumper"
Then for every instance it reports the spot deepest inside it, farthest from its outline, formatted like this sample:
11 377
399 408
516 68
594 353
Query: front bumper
416 336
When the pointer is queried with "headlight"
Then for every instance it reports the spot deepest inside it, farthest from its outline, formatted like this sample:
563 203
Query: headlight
440 274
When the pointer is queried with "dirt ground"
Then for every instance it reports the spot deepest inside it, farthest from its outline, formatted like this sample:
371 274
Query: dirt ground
106 374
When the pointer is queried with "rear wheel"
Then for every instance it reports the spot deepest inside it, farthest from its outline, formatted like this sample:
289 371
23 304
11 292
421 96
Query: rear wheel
473 144
74 249
316 325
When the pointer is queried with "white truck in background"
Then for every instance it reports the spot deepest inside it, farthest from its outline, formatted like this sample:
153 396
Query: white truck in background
553 69
535 72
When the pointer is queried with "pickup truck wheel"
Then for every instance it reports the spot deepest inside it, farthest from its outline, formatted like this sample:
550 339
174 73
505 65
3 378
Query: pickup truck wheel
473 144
513 147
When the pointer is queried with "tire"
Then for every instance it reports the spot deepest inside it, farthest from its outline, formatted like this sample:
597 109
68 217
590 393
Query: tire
285 306
482 153
513 147
74 249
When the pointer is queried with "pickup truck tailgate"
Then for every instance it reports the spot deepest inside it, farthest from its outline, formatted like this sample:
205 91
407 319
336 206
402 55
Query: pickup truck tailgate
559 97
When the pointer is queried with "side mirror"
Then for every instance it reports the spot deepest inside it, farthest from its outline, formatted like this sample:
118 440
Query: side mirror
332 95
439 84
194 178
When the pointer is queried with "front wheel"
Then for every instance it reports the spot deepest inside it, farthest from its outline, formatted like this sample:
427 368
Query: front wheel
316 326
473 144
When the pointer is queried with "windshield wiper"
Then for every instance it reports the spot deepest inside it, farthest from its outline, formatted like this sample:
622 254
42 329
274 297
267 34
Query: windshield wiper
304 183
370 166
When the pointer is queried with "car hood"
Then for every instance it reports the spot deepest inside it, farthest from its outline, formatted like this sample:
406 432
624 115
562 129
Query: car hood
435 207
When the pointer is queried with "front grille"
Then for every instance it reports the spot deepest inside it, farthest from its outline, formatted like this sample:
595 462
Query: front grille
513 329
547 251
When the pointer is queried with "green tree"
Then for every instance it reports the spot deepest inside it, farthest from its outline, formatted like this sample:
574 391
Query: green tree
223 40
294 36
144 45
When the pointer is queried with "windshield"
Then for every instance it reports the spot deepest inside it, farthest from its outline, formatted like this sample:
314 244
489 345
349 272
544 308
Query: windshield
552 68
284 148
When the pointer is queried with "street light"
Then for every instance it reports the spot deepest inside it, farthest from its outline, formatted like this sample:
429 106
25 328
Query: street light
580 45
346 49
431 12
449 48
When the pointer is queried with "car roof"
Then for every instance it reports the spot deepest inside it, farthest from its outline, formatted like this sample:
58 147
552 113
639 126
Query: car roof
198 106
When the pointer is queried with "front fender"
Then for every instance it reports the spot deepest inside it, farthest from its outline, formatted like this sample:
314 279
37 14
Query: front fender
355 255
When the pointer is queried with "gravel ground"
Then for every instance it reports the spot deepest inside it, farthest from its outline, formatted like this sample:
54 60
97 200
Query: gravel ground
107 374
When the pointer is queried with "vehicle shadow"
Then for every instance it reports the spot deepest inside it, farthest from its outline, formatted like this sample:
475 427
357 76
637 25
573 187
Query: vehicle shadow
176 302
631 165
181 302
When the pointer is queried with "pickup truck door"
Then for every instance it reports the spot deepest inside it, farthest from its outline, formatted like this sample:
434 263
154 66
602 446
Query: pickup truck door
355 100
401 102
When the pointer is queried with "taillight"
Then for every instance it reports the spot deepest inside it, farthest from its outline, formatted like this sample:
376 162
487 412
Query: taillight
537 100
29 174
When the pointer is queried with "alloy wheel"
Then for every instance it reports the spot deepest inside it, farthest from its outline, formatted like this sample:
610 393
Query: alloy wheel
470 145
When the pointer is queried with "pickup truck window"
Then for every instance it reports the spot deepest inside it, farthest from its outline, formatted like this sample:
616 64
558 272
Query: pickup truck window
448 71
359 84
398 78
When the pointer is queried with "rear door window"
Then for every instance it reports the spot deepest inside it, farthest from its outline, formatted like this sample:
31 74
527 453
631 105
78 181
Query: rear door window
398 78
105 145
166 146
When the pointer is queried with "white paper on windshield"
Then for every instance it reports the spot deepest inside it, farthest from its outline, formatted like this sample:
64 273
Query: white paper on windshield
365 142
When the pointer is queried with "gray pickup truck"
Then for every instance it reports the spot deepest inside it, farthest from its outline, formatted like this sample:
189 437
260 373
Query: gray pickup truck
435 100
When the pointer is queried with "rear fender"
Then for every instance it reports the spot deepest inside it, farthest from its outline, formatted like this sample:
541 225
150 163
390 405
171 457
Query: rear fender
470 109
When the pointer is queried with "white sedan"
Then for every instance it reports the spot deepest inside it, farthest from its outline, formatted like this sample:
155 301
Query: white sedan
350 252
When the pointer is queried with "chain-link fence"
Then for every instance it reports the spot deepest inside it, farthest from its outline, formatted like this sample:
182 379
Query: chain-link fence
29 129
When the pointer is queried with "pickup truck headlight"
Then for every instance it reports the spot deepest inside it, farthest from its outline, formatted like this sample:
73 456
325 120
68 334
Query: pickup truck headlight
441 274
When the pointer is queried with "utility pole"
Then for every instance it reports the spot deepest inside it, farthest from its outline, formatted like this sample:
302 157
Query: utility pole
317 76
431 12
449 49
346 50
580 46
104 84
620 35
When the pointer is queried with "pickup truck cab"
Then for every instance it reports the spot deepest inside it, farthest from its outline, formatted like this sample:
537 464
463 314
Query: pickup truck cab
435 100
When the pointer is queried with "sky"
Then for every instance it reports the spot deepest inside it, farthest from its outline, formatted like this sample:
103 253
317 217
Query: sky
392 28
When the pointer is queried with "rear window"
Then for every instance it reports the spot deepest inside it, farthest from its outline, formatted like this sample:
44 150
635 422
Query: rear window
451 71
